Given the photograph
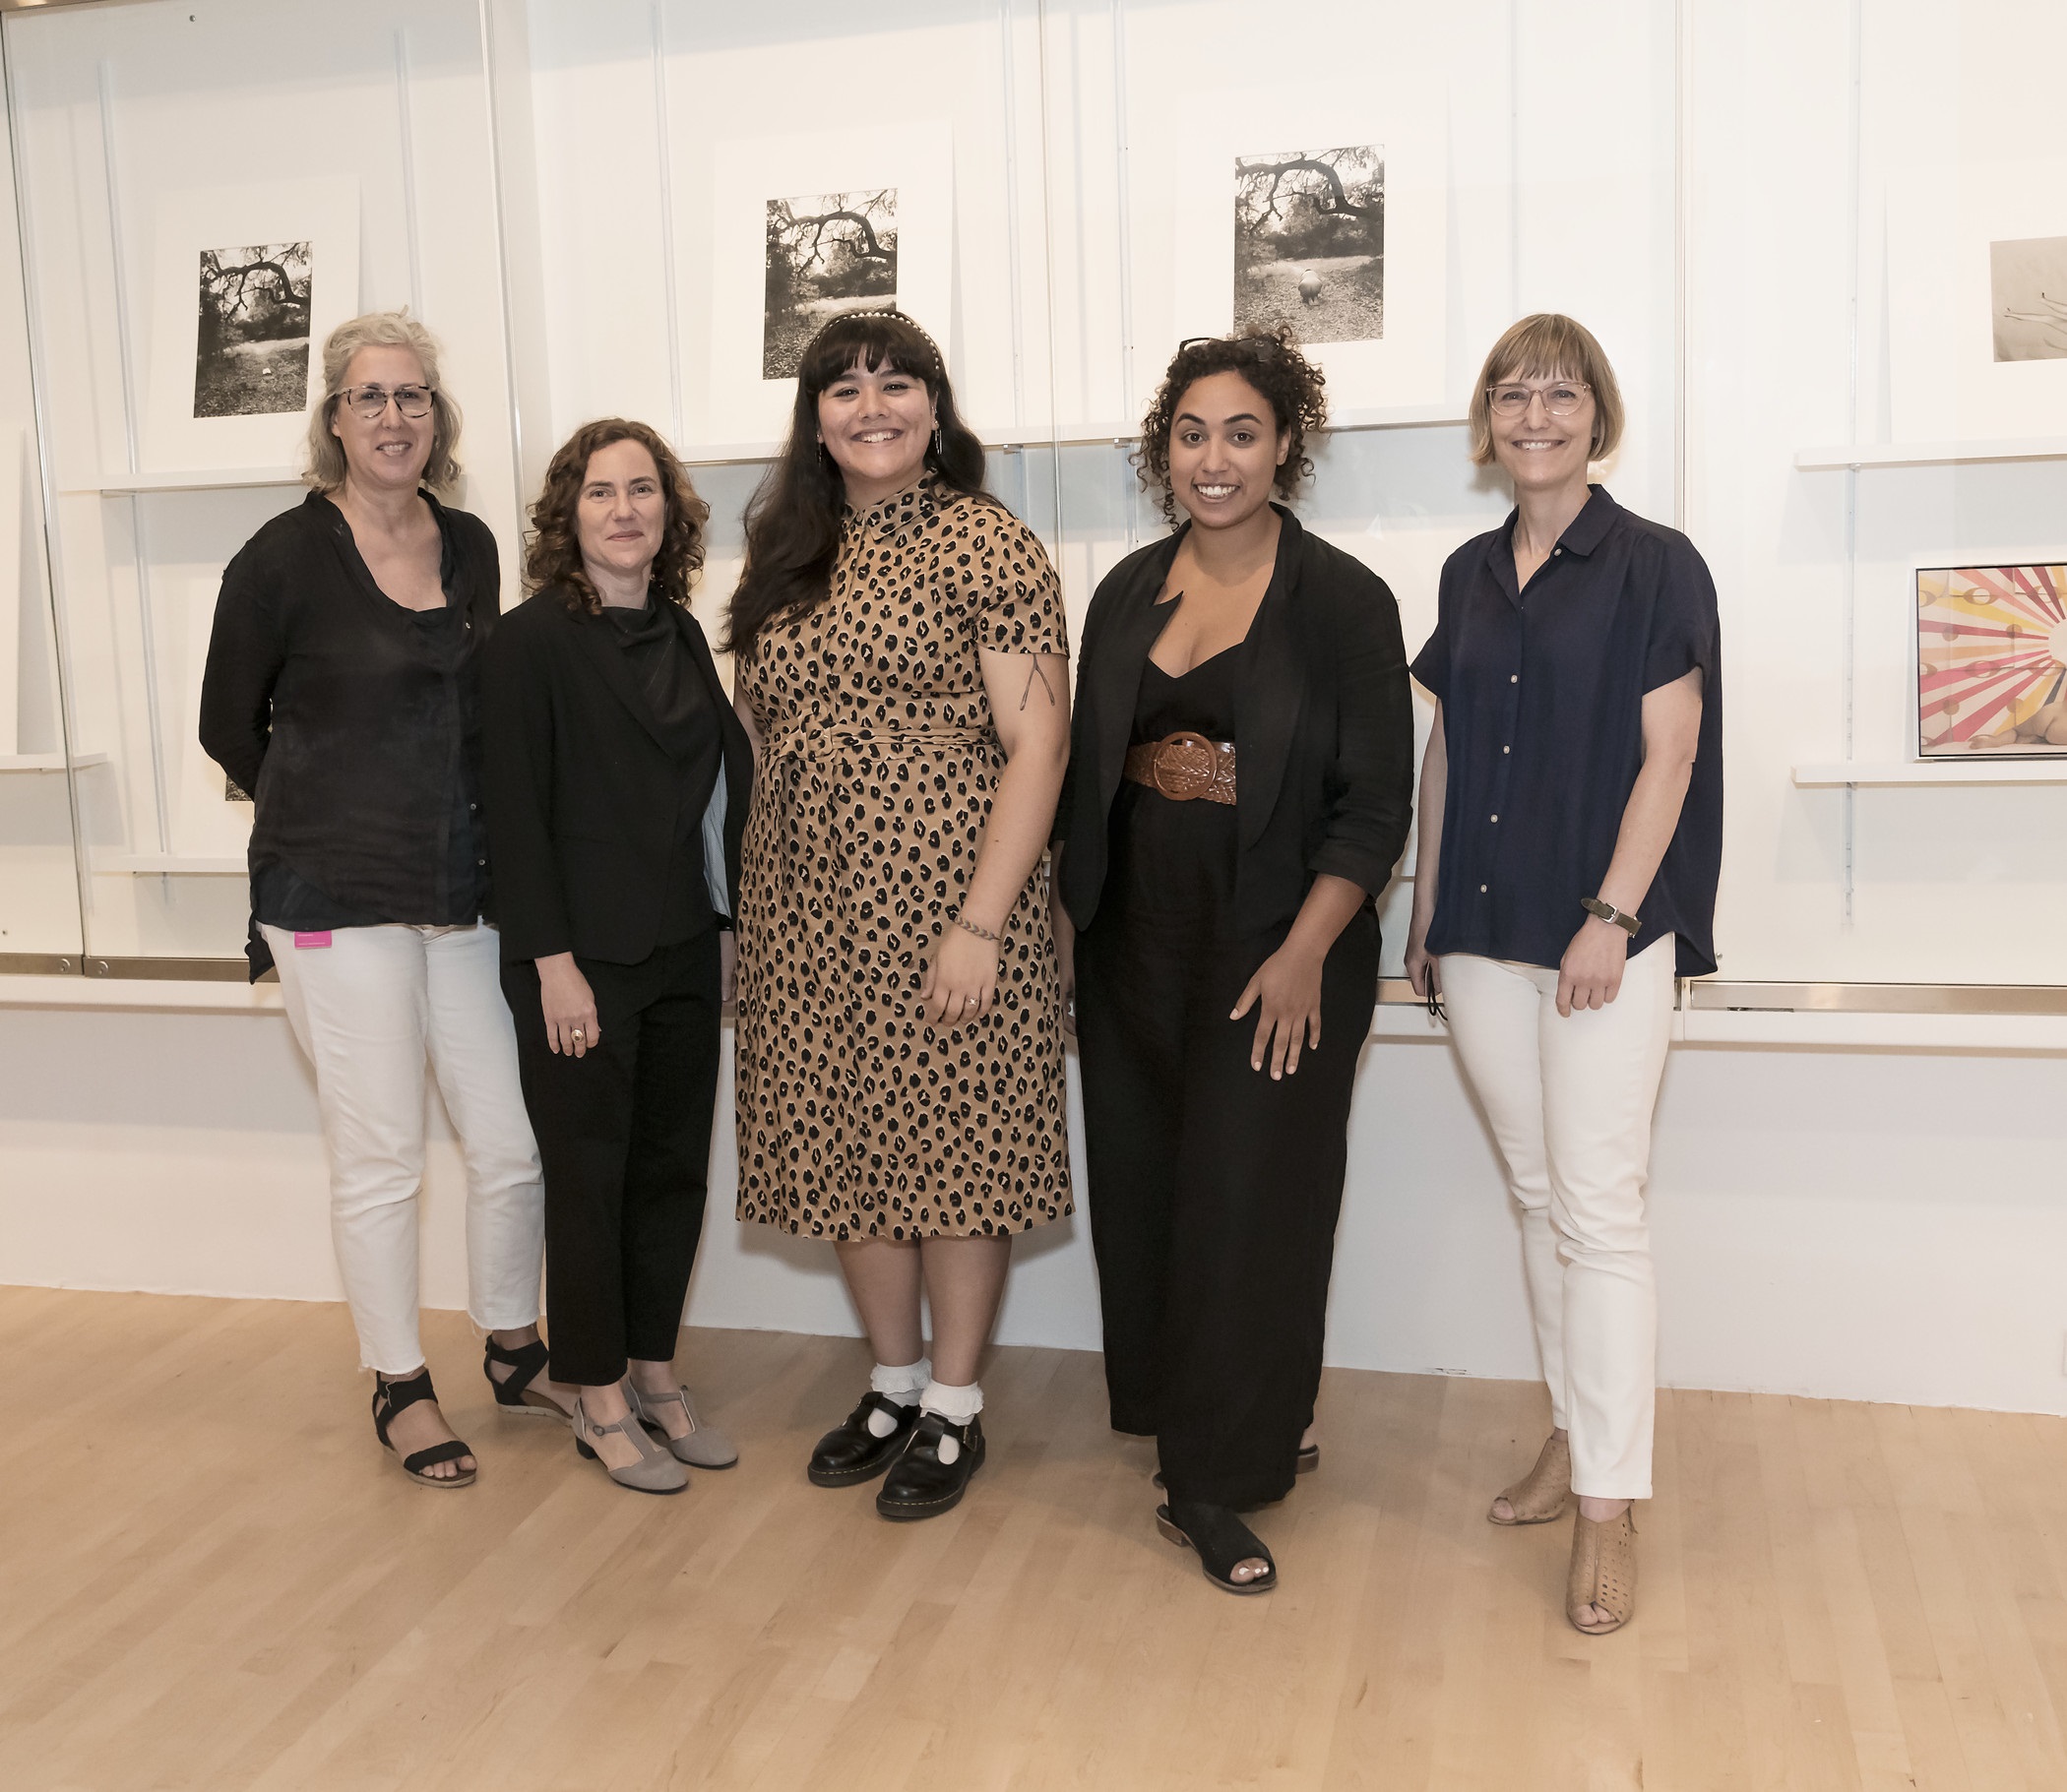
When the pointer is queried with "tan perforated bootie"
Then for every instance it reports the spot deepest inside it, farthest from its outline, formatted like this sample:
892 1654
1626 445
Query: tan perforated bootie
1603 1572
1543 1493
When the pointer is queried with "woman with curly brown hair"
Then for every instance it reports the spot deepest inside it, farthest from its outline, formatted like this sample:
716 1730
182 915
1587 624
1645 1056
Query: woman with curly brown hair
617 780
1239 786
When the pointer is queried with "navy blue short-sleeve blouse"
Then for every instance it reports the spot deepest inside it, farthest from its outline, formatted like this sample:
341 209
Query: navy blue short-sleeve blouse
1543 696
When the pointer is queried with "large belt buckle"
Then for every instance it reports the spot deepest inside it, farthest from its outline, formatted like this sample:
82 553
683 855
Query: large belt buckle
1183 767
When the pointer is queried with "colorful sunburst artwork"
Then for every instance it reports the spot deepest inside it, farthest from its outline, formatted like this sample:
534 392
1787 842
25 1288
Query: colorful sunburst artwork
1991 660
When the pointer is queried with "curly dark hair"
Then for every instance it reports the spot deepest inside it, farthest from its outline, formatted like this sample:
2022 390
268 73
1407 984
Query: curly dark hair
1271 361
554 556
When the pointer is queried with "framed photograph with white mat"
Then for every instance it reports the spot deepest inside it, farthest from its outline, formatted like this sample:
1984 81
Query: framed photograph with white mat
807 227
1328 214
1978 300
248 283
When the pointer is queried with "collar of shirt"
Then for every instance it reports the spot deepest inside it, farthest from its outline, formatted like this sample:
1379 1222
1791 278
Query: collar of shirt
1583 535
899 511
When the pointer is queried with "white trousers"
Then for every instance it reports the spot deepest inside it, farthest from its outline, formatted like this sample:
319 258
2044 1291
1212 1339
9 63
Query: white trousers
368 1008
1570 1098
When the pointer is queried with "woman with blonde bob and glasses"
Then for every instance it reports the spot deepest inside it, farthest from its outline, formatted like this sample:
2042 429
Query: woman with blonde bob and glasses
342 693
1576 762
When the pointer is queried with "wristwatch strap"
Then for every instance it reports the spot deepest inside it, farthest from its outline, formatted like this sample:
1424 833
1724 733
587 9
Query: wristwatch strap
1608 912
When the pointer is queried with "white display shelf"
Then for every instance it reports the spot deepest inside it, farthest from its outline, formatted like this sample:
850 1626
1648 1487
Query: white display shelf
239 478
168 864
1977 769
1929 454
1114 434
48 761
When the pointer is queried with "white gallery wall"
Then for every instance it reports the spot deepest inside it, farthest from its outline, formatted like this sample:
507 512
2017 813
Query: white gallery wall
1864 1208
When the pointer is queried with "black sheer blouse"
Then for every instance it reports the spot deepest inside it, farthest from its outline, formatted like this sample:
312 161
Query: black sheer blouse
354 725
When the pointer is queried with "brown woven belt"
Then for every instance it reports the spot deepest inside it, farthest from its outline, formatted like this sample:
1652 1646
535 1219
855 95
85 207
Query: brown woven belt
1182 767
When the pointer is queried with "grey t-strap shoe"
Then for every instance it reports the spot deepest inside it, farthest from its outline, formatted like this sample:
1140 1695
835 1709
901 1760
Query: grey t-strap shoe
654 1472
701 1446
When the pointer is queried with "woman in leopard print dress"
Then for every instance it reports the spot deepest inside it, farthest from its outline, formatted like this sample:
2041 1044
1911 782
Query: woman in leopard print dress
903 664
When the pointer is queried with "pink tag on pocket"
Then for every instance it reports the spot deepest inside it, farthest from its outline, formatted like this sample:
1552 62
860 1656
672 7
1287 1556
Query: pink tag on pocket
304 941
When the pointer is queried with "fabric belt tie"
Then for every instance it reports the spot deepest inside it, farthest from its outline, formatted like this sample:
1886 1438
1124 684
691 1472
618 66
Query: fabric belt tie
1183 767
822 743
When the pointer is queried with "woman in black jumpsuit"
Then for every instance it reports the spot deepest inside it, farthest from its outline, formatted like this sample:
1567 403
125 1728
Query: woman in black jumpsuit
1239 789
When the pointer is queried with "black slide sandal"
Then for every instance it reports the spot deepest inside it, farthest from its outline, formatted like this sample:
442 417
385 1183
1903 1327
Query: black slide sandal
391 1397
1221 1540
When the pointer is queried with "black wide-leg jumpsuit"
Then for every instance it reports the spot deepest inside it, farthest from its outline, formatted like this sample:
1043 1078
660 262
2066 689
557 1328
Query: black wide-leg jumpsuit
1214 1190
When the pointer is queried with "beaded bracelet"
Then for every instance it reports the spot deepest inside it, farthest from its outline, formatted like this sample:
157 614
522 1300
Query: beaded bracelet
981 933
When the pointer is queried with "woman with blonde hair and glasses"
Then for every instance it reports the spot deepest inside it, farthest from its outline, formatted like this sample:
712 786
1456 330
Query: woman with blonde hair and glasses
1576 763
340 692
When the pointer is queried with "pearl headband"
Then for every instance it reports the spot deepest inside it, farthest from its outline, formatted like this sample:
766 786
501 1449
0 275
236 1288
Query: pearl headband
939 359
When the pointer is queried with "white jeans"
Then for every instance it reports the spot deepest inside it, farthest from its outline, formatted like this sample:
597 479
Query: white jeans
366 1008
1570 1098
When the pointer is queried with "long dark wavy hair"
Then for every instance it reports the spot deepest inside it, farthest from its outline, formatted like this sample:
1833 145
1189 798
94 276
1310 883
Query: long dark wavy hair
1271 361
793 522
554 556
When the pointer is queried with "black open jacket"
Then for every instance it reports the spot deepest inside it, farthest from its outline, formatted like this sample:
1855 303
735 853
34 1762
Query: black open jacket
1324 771
583 792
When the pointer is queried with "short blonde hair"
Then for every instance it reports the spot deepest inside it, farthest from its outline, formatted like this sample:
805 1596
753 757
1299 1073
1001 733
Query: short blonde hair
1546 346
381 330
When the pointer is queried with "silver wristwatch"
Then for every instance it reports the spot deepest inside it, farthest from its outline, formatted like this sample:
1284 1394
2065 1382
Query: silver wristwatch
1608 912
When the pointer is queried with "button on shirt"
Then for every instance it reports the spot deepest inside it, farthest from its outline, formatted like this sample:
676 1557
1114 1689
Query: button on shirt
1543 696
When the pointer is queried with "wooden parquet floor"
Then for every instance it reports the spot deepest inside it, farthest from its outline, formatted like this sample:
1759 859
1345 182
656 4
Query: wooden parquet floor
209 1578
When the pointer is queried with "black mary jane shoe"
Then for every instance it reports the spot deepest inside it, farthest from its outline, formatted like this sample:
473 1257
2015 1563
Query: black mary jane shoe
388 1399
1222 1541
922 1485
851 1454
514 1396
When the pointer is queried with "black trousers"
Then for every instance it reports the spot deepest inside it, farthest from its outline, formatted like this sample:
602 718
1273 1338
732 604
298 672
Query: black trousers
624 1140
1213 1192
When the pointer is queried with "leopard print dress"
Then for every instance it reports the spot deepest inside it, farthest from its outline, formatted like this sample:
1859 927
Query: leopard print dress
856 1118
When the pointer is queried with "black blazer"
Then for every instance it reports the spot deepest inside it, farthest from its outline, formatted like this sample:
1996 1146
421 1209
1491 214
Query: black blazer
582 796
1324 773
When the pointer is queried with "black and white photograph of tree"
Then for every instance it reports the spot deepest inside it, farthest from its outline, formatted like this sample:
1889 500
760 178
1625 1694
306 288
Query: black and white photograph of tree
1309 242
251 357
2027 284
827 253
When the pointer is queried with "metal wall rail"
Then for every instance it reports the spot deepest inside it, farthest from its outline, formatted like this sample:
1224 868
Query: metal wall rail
1709 994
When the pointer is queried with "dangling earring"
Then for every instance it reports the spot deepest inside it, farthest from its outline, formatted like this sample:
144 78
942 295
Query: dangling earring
936 441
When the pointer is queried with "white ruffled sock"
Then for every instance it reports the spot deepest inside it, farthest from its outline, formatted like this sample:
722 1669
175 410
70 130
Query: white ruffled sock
959 1404
904 1385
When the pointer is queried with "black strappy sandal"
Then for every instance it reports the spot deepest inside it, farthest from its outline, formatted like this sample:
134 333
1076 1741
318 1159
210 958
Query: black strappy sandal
1222 1541
514 1397
391 1397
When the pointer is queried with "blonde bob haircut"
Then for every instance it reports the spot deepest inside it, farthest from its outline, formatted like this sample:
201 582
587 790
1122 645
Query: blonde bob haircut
1547 347
381 330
